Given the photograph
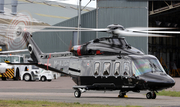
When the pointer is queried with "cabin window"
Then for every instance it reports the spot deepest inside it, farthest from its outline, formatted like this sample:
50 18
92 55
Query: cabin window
117 68
97 67
126 69
106 69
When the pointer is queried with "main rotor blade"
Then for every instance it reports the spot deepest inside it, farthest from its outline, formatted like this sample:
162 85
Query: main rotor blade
31 28
136 34
49 30
169 32
57 27
146 28
42 27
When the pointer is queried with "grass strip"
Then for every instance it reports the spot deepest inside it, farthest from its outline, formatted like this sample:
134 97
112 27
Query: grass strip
169 93
28 103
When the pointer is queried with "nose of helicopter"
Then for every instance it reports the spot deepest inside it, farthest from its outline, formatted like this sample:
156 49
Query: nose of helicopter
164 83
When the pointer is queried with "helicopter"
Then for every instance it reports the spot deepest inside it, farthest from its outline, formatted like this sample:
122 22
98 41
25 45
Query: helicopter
122 68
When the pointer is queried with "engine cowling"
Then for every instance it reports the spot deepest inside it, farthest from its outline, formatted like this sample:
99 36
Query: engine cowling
78 50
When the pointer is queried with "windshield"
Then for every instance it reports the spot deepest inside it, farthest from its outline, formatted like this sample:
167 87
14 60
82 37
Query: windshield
13 58
2 58
9 58
141 66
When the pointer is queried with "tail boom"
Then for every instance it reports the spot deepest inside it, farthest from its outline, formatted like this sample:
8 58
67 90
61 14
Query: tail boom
57 62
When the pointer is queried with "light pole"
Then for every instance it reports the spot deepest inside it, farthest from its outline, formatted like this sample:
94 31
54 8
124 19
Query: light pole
79 22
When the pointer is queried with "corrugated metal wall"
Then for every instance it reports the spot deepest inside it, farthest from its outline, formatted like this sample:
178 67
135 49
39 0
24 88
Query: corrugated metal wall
125 12
88 21
55 41
62 41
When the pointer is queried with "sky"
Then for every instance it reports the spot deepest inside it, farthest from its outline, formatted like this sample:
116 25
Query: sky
75 2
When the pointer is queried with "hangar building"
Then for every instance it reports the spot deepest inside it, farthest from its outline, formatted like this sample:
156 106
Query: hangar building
31 12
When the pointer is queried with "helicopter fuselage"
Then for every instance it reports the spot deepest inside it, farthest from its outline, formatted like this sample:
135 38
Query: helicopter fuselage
130 72
124 72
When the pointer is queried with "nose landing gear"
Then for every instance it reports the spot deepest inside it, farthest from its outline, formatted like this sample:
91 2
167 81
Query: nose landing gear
151 95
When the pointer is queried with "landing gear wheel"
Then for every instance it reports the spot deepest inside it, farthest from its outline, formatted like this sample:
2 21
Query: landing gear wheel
3 78
77 93
149 95
43 78
153 95
121 94
27 77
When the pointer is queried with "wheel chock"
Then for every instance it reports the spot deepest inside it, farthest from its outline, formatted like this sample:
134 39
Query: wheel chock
125 96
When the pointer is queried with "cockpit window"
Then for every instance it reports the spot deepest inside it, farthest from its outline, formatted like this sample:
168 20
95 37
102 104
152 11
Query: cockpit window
156 65
141 66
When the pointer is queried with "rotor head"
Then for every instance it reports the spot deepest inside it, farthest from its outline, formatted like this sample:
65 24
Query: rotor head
114 27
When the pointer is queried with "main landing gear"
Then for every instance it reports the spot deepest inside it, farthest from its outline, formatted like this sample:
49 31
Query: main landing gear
77 93
79 90
122 94
151 95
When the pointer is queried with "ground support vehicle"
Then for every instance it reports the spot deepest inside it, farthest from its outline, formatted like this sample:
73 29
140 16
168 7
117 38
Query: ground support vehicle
12 71
35 73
